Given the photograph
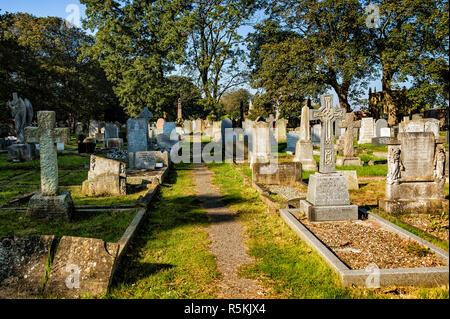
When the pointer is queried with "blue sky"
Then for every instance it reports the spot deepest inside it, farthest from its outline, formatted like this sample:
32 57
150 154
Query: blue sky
58 8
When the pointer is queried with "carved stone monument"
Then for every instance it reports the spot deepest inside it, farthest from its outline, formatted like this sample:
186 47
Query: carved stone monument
328 198
415 182
304 147
49 202
22 111
349 158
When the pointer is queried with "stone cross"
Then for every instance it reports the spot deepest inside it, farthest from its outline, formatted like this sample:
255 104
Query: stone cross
327 114
47 136
145 114
349 124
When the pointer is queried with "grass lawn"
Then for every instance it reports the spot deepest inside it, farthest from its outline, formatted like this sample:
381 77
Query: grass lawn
169 257
283 262
108 226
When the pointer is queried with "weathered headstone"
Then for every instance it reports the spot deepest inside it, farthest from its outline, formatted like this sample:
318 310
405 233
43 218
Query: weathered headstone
49 202
284 173
379 125
187 127
304 146
366 132
349 158
261 149
421 125
280 127
316 132
160 123
226 124
292 138
94 128
328 198
352 179
137 135
416 175
168 127
144 160
105 177
112 139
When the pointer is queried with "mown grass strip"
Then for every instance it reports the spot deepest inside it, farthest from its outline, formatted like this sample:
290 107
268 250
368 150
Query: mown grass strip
169 256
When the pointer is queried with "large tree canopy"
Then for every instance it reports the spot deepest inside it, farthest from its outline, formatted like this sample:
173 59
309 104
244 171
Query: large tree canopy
318 45
137 43
411 44
40 60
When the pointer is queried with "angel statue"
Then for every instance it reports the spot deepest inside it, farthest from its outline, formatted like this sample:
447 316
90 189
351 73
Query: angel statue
22 111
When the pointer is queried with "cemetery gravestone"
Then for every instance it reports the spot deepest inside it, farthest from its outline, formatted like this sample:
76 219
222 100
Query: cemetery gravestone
328 198
281 130
304 146
261 150
316 134
144 160
292 138
49 202
366 132
105 177
349 158
112 139
416 175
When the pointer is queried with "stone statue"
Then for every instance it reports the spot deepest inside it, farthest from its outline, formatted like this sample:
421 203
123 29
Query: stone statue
439 163
22 111
395 167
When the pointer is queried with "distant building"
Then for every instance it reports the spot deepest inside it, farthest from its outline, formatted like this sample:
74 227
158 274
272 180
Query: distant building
378 107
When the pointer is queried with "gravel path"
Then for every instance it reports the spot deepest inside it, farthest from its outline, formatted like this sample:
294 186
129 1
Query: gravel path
227 241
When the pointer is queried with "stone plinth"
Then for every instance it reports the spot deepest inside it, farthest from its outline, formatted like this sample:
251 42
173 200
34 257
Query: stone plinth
328 198
22 152
349 161
304 155
53 207
285 173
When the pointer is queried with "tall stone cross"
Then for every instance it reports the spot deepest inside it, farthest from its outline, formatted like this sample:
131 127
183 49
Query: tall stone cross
327 114
349 124
47 136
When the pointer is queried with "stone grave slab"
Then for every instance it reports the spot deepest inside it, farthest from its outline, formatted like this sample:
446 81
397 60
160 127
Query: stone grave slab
23 262
81 266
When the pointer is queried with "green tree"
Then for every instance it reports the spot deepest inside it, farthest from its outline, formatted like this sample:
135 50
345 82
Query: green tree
41 59
137 43
411 44
190 95
215 51
323 46
235 103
